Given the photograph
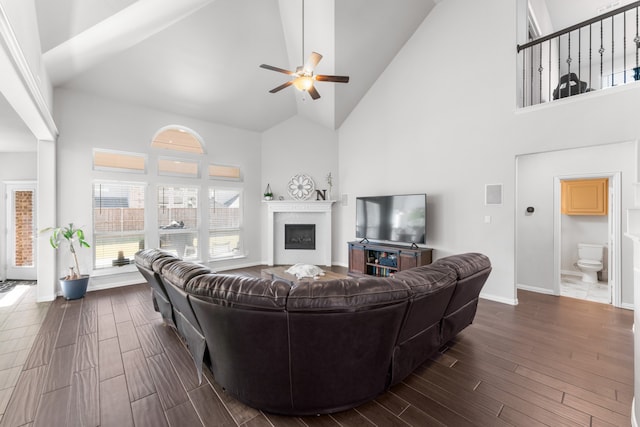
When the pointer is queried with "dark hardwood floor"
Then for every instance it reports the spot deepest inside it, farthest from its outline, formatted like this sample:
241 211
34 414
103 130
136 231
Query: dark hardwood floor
108 360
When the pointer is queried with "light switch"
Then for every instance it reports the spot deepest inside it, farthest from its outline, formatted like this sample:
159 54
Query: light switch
487 219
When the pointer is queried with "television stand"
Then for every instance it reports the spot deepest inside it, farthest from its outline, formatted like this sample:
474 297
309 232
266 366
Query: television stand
385 259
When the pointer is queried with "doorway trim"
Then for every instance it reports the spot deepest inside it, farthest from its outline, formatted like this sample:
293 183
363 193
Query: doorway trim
613 229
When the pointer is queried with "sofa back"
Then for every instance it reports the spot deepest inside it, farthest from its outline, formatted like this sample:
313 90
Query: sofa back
144 261
148 263
342 333
472 271
245 323
175 276
419 338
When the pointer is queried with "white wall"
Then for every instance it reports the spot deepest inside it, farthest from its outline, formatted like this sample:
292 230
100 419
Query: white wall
87 121
13 167
442 120
296 146
534 232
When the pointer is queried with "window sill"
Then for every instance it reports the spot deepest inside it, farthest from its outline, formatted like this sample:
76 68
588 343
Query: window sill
227 257
110 271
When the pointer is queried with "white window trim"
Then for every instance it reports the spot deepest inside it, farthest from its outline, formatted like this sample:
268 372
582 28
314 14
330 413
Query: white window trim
198 164
241 231
145 158
105 271
221 178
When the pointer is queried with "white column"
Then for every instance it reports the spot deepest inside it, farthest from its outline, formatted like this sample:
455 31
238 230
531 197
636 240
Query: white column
46 208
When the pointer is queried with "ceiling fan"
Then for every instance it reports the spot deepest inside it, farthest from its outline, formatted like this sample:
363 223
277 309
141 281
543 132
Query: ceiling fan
303 77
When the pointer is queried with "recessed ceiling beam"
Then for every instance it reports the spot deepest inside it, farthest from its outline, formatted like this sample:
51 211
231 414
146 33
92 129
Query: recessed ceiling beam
115 34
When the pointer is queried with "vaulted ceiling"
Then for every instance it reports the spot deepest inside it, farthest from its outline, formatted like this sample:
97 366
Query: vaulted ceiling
200 58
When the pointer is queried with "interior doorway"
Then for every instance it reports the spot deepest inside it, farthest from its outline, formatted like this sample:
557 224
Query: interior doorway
537 217
21 230
578 288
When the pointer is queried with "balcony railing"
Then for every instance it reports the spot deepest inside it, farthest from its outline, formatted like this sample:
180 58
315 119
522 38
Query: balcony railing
595 54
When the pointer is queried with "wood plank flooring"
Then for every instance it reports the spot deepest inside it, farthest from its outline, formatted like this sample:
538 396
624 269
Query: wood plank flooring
108 360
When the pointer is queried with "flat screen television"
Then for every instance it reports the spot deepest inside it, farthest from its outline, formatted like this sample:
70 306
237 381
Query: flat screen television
399 218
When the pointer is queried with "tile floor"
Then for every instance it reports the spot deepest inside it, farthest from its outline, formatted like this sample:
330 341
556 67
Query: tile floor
20 317
572 286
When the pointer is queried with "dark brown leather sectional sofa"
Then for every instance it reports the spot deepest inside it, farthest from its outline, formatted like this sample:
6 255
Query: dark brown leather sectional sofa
316 347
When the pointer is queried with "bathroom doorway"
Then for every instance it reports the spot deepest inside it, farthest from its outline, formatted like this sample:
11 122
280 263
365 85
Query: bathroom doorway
537 215
571 231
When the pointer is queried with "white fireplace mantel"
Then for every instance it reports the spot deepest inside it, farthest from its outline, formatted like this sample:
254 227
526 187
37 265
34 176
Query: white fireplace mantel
300 207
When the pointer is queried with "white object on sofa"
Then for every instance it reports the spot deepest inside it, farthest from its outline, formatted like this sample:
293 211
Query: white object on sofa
305 270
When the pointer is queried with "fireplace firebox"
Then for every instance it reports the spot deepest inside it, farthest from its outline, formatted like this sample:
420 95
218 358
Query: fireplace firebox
300 236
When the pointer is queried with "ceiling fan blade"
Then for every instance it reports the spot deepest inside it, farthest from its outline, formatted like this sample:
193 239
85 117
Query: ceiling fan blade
312 62
335 79
279 70
282 86
313 92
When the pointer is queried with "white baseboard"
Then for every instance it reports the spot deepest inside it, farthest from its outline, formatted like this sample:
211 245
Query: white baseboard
46 298
571 273
634 420
234 266
98 283
499 299
536 289
627 306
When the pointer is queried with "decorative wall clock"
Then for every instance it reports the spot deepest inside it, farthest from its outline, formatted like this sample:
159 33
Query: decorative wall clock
301 187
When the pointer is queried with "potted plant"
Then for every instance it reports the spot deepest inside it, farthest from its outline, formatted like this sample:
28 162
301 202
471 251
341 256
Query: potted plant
268 194
74 285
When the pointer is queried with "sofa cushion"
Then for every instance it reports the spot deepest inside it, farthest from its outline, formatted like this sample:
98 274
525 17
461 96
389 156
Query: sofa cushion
180 272
160 263
346 294
146 257
240 291
465 265
426 279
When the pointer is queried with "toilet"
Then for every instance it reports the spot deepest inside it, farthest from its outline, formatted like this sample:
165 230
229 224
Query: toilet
590 261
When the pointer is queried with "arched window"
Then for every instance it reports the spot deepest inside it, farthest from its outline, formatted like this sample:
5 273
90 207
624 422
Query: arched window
178 138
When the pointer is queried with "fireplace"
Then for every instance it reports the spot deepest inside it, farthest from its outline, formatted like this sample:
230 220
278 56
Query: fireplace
300 236
282 212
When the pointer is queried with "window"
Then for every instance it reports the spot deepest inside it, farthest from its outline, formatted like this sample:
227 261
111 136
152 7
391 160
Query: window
118 223
118 161
178 220
178 139
224 172
176 167
225 222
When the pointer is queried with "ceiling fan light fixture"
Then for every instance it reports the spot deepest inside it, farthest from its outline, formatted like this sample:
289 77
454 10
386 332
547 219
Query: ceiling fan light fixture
303 78
303 83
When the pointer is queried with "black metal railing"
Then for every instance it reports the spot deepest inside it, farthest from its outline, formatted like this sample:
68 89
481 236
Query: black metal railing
595 54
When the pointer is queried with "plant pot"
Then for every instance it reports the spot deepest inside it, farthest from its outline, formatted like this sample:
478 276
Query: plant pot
636 73
75 288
